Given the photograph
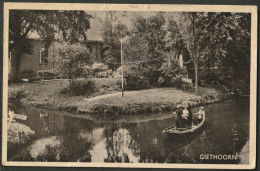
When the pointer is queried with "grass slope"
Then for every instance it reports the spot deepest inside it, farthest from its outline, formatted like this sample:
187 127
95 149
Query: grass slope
133 102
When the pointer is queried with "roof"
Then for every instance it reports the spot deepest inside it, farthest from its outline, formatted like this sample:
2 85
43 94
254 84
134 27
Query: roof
94 32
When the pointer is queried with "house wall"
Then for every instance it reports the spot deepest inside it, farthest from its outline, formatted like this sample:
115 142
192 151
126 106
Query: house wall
32 61
96 51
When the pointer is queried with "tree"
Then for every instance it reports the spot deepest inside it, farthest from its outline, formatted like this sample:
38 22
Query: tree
175 45
66 25
231 44
112 31
173 39
216 35
231 40
151 31
73 58
193 32
135 50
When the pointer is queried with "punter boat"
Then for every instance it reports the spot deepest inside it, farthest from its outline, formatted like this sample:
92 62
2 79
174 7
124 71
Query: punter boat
20 117
12 116
182 131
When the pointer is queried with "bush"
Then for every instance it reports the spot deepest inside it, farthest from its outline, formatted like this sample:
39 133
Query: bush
80 72
117 73
167 73
73 59
15 96
80 88
119 83
136 78
239 87
211 77
176 82
47 73
97 67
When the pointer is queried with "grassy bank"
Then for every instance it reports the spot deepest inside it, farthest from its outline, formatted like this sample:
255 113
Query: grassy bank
112 103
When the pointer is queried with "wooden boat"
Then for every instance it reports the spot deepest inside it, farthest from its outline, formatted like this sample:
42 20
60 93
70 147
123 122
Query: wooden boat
12 116
183 131
20 117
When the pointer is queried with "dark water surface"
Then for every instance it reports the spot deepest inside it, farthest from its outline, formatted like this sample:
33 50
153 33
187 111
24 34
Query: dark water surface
61 137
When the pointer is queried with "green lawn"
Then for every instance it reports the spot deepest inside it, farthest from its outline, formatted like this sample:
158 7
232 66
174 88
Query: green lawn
48 95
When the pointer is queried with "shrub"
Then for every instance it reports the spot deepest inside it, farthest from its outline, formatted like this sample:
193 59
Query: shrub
176 82
80 88
102 74
73 58
117 73
166 74
81 72
119 83
211 77
97 67
16 95
86 73
239 87
47 73
136 78
170 76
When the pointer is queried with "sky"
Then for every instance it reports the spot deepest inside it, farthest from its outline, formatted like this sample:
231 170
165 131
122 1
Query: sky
94 33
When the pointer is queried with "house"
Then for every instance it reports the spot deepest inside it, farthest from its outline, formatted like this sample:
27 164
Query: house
40 58
95 48
43 57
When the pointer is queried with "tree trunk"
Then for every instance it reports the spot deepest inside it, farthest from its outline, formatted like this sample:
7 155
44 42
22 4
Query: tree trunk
196 77
15 72
208 64
194 50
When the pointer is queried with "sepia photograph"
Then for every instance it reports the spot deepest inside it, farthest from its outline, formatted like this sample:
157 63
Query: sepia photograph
121 85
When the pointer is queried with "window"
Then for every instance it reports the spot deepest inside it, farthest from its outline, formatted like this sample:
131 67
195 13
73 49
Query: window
44 54
89 48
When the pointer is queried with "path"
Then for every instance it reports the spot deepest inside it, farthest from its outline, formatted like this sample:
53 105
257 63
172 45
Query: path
109 95
102 96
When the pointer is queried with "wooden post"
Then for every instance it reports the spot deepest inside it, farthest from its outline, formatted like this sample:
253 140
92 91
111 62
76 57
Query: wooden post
19 136
122 67
196 77
42 60
53 56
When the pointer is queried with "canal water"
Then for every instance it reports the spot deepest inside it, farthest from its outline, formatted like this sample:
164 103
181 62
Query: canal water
61 137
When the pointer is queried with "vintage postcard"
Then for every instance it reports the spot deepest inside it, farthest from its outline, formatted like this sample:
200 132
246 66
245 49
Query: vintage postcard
127 85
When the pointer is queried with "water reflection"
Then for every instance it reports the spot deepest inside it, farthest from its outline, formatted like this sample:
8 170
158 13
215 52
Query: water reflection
63 138
65 147
120 146
40 147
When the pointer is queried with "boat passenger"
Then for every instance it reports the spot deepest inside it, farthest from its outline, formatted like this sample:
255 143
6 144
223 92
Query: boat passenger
200 114
189 119
179 123
185 115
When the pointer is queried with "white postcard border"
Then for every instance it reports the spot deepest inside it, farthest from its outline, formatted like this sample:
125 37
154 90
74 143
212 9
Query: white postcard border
136 7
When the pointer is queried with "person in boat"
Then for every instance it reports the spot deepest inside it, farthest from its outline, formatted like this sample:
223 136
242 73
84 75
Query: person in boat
185 116
189 118
199 115
179 120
